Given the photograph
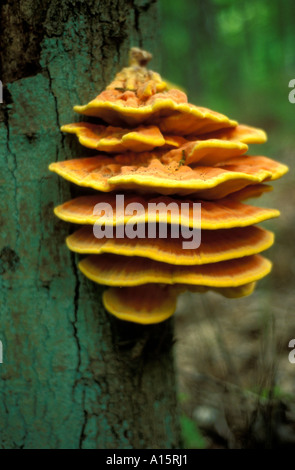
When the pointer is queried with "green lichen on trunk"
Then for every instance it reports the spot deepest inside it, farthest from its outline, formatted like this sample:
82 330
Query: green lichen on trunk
72 375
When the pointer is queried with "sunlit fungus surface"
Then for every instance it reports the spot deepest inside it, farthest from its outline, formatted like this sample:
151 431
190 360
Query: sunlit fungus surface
157 152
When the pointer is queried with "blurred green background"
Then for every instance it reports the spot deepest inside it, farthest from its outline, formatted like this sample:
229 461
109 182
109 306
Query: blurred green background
234 56
236 383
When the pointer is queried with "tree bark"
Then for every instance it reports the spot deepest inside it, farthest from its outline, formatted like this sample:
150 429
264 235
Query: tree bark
72 376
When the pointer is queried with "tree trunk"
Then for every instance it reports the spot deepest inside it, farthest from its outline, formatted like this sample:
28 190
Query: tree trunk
72 376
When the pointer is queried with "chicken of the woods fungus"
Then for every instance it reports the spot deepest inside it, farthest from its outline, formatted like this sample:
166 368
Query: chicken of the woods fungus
155 147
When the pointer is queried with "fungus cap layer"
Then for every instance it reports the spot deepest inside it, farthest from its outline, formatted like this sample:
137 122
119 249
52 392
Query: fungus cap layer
115 139
150 303
203 181
217 245
143 304
239 133
251 191
225 213
169 110
205 152
146 172
116 270
144 138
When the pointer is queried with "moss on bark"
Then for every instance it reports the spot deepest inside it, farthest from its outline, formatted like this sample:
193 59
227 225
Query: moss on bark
72 375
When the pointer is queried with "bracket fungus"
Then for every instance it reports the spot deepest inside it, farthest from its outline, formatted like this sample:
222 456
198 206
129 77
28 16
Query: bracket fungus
155 148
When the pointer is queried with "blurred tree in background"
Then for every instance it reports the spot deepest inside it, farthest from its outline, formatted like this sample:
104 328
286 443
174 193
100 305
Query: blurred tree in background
238 58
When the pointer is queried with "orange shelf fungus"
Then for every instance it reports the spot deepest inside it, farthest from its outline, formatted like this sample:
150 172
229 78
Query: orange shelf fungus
158 156
226 213
146 172
115 139
116 270
217 245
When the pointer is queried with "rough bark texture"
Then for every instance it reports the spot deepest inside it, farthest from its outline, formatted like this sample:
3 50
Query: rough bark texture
73 376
